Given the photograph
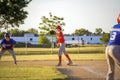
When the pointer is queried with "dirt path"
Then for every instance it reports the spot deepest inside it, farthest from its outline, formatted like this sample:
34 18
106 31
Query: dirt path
84 70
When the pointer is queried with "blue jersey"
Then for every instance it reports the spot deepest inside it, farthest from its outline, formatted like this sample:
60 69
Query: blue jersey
7 44
115 35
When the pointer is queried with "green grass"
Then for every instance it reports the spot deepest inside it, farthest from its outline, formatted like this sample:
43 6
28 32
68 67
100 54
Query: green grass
55 57
45 72
39 72
77 50
30 73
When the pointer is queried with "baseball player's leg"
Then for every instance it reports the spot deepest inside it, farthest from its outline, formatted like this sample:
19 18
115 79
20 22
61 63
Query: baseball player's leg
1 53
116 55
60 56
66 54
111 64
13 55
111 68
60 61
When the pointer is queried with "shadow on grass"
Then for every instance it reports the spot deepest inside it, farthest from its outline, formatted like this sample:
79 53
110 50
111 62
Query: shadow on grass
68 73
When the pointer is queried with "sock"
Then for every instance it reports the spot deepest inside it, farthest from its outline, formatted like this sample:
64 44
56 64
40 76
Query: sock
67 56
60 59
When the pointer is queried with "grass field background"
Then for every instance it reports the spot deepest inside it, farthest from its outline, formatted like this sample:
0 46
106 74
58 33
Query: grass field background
30 73
13 72
87 49
55 57
89 52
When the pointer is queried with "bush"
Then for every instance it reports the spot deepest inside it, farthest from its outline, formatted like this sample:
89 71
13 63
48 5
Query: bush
44 40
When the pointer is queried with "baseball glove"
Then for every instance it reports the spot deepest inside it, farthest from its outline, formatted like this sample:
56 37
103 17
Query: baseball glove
52 32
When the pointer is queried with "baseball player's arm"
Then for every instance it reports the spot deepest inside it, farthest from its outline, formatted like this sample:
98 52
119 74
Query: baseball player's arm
59 44
13 44
60 37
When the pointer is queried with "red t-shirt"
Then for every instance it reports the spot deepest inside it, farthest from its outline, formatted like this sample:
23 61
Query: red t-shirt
60 37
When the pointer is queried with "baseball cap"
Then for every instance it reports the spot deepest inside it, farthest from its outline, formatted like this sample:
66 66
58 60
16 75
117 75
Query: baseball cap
58 27
7 35
118 19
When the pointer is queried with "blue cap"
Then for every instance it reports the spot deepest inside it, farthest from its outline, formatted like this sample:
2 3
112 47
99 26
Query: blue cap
7 35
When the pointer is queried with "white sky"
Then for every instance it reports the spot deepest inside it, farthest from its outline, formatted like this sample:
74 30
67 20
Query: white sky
88 14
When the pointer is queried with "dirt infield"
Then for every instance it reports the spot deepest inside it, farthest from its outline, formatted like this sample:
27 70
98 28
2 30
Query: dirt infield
84 70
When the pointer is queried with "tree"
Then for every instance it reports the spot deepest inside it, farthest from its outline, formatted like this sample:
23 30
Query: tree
1 35
33 30
105 37
43 40
14 32
17 32
82 32
12 13
98 31
49 23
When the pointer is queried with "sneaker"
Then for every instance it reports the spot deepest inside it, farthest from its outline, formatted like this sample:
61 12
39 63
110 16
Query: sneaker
59 64
70 63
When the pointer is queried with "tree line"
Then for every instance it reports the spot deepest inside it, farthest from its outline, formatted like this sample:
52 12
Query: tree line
13 14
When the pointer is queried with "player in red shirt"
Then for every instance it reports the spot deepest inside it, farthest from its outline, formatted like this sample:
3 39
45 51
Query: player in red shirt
61 45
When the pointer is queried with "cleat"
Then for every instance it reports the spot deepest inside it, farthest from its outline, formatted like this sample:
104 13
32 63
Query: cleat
59 64
70 63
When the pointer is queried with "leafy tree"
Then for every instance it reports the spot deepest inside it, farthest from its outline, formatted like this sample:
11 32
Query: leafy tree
82 32
49 23
98 31
105 37
14 32
43 40
12 13
17 32
1 35
33 30
67 34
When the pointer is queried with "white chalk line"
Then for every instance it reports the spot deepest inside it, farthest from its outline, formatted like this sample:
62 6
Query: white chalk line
90 70
93 71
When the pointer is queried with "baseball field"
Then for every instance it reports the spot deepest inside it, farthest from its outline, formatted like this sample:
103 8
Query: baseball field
40 64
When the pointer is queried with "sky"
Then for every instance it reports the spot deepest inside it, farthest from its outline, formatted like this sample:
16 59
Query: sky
77 14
